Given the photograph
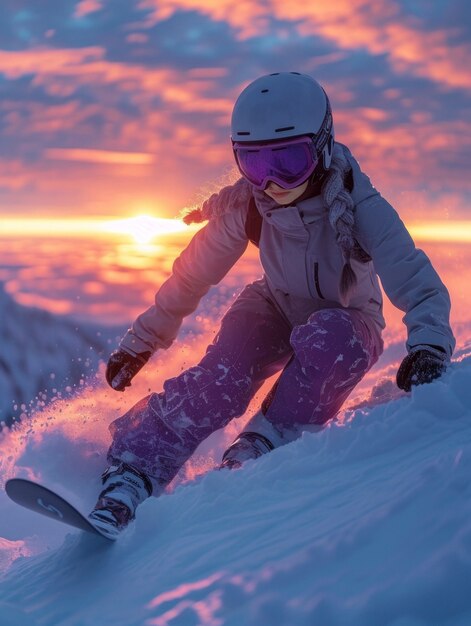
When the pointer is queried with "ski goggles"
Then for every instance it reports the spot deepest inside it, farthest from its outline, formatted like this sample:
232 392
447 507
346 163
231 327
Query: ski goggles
287 163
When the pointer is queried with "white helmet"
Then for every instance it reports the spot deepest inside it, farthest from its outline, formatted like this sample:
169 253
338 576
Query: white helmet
284 105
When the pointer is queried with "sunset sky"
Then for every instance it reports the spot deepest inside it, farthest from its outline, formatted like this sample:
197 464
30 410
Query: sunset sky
121 107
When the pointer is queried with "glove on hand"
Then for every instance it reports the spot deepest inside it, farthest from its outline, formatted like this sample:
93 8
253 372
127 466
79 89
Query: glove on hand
122 367
422 365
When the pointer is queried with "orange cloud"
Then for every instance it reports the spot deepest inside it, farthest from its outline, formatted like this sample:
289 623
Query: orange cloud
380 27
99 156
152 132
403 155
45 187
15 64
248 17
14 175
409 154
32 118
63 71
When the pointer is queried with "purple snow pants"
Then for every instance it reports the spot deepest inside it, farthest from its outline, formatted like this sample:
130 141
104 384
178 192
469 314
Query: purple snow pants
322 361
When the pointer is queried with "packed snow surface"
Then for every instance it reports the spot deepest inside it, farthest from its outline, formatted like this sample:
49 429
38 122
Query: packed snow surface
367 523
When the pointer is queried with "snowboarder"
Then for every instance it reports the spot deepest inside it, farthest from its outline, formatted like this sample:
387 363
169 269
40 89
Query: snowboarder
325 234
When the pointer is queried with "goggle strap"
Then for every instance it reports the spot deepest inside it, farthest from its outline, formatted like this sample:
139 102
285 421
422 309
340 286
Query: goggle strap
325 131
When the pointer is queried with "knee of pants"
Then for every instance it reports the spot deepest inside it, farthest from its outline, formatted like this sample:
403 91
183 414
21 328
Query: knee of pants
332 336
212 388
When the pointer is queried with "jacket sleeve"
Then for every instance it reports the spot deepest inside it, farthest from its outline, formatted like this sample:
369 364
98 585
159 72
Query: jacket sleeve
204 262
407 275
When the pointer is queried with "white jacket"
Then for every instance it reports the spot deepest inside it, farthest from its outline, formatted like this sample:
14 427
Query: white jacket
302 265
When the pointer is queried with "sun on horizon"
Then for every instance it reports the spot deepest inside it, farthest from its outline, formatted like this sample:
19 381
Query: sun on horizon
141 228
144 228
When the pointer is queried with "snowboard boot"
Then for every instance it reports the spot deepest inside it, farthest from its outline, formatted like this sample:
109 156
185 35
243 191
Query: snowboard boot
247 446
124 489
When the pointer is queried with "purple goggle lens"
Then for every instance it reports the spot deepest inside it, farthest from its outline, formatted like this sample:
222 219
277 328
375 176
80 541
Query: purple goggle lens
287 163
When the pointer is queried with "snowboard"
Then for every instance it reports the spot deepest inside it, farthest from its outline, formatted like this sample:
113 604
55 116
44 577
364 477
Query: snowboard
42 500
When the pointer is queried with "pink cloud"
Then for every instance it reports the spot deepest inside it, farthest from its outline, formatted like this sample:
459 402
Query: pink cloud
138 38
85 7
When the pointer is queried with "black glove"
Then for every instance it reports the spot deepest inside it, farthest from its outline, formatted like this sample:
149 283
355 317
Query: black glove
122 367
422 365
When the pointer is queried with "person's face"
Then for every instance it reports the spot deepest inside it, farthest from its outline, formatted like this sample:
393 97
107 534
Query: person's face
285 196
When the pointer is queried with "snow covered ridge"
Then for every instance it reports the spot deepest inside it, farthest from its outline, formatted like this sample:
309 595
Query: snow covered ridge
367 523
43 356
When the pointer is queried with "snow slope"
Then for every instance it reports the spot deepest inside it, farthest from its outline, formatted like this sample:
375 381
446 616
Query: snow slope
367 523
43 355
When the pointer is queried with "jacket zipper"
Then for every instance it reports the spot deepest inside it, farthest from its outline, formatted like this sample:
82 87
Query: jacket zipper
316 280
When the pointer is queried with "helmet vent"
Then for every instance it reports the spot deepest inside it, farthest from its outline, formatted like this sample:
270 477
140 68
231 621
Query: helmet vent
265 91
280 130
243 132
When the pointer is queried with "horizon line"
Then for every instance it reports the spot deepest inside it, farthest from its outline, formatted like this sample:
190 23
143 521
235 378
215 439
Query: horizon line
458 231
